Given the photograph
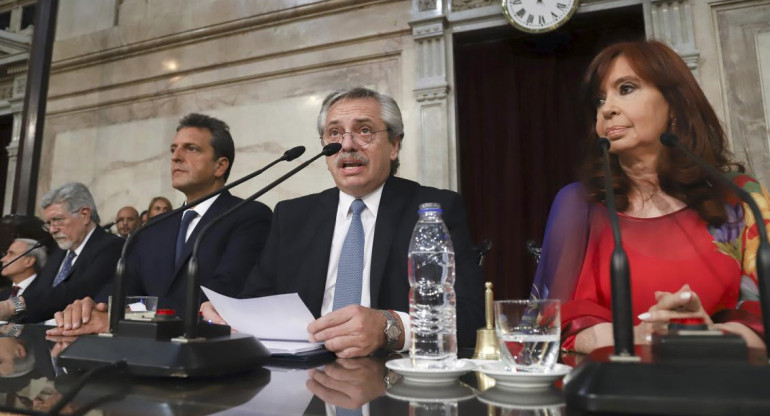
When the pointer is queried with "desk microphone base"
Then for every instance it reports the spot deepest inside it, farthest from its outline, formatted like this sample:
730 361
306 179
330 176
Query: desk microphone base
220 356
682 388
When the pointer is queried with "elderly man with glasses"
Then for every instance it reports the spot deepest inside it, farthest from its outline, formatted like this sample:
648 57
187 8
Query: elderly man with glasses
82 265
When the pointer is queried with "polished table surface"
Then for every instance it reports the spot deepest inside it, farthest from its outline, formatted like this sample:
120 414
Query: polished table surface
31 382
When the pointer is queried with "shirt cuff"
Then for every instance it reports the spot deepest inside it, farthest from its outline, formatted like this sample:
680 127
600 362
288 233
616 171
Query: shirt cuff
407 330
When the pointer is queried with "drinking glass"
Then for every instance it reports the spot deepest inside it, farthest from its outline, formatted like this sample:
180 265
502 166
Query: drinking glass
529 333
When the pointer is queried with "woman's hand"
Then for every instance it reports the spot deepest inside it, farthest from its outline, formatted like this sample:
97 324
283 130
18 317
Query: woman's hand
683 304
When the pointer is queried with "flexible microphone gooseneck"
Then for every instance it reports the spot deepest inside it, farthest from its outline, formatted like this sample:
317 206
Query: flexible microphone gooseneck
622 320
193 289
763 251
37 245
117 309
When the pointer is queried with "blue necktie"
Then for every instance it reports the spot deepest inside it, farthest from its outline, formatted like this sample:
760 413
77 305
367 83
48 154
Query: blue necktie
66 268
182 236
341 411
350 270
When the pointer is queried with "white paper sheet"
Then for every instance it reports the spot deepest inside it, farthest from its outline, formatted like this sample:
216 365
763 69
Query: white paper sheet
270 318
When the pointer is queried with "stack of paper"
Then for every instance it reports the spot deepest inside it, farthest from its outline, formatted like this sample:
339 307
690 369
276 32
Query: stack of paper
279 322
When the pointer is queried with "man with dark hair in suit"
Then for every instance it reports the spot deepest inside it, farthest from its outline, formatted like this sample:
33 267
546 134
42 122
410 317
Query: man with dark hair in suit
314 227
83 264
202 155
24 269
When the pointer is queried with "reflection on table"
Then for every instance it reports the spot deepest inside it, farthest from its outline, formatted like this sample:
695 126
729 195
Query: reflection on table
30 381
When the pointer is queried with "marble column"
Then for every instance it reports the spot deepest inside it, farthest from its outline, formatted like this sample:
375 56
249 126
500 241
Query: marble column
433 93
671 21
17 105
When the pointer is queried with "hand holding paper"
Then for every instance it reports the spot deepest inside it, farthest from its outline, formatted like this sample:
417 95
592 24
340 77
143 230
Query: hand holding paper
279 322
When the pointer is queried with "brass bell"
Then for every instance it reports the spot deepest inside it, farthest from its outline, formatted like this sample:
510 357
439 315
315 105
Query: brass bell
487 347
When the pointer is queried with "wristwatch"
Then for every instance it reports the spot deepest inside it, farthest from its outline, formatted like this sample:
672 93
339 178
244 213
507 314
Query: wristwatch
18 306
392 330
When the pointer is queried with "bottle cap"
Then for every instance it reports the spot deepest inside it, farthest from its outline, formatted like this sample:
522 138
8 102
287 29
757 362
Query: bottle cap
429 206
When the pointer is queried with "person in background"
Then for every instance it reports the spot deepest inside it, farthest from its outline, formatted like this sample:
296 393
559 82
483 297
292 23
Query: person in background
127 221
691 243
158 205
23 271
143 217
83 264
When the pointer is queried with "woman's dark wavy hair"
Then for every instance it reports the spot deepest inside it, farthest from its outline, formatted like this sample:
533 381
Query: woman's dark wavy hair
696 125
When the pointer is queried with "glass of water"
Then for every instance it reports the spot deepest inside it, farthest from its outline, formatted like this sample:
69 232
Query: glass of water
529 333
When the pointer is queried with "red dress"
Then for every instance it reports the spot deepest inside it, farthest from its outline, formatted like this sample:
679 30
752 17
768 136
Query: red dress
664 253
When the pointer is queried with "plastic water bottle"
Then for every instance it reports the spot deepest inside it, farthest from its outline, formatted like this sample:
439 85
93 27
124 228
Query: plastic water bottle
432 296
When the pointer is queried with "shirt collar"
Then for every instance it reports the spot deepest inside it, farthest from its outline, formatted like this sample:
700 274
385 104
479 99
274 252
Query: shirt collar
26 282
203 206
372 201
83 243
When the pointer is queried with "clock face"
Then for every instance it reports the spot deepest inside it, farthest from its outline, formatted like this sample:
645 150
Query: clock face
535 16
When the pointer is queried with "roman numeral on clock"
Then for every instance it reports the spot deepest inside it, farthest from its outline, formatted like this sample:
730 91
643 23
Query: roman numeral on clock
530 19
541 20
561 6
521 13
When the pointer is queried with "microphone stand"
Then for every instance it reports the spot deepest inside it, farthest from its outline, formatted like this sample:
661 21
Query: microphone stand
685 373
193 285
154 348
37 245
622 318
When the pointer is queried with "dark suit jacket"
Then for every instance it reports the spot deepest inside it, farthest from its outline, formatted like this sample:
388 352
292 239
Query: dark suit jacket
296 256
227 253
93 270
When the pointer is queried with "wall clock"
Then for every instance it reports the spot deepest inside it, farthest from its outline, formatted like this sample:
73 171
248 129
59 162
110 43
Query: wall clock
538 16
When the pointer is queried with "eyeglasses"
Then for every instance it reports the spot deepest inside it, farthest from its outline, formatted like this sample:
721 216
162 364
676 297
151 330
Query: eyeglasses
362 137
56 222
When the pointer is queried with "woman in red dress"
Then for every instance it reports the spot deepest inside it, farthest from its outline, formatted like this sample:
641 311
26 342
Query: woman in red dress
691 243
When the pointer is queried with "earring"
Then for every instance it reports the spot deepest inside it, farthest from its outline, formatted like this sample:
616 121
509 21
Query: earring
673 122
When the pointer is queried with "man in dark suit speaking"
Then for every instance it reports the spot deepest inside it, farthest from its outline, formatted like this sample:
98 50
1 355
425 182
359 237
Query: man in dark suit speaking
202 154
307 240
82 265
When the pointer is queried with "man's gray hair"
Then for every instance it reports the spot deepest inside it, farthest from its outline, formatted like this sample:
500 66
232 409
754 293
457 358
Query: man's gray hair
75 195
39 253
389 112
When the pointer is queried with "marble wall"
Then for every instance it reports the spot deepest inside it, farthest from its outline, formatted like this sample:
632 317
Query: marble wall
124 71
117 91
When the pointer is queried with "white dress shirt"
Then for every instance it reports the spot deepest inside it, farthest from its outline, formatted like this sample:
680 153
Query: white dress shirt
341 225
24 284
201 210
77 250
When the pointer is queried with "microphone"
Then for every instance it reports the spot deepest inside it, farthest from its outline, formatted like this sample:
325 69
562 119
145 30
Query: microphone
763 251
622 329
117 309
37 245
193 286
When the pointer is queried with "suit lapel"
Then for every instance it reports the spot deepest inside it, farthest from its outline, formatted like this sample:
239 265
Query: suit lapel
319 249
392 204
218 207
92 242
